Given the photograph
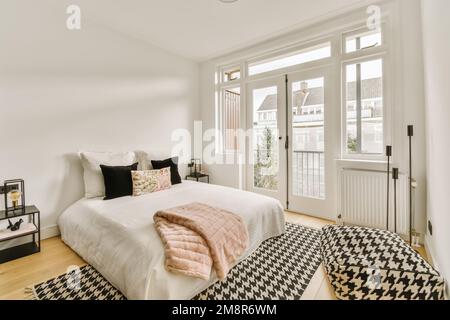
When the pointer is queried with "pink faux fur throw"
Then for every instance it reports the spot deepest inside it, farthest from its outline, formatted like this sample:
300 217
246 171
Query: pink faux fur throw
198 237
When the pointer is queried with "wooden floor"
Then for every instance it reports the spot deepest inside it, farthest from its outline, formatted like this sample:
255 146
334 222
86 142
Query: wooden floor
53 260
319 288
55 257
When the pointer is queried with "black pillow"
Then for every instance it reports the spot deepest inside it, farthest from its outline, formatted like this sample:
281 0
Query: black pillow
173 164
118 181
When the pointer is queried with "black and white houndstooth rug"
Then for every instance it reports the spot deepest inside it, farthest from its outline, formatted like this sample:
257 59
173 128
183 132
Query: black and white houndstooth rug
280 269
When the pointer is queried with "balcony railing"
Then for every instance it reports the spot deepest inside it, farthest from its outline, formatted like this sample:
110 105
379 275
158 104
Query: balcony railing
308 172
318 117
308 176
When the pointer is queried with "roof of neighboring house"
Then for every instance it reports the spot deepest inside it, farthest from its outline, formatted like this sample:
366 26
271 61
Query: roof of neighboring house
371 89
269 103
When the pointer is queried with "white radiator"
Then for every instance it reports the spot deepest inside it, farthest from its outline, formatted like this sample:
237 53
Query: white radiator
363 200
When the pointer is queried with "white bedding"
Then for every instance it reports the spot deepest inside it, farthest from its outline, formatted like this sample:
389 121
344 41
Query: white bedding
118 238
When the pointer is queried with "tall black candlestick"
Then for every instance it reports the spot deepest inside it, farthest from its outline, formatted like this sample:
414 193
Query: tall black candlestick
395 177
388 155
410 135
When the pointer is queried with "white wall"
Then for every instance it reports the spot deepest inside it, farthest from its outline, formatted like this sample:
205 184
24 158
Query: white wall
406 86
64 91
410 102
436 26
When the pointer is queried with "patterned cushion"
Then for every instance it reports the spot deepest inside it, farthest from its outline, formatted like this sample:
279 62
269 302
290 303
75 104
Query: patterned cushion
150 181
371 264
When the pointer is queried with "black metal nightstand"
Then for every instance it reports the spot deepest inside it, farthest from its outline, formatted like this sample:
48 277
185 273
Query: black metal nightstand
32 228
197 176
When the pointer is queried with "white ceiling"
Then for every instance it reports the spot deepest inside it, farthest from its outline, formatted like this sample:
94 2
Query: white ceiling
202 29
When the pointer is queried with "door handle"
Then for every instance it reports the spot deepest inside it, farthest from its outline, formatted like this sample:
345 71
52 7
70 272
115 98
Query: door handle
286 144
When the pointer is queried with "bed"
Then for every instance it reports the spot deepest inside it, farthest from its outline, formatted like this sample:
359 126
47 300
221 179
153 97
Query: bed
117 237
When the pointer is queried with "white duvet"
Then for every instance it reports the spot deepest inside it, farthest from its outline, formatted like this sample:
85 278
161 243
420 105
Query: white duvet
118 238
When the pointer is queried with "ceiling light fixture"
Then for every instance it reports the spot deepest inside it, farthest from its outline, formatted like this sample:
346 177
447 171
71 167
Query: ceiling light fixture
228 1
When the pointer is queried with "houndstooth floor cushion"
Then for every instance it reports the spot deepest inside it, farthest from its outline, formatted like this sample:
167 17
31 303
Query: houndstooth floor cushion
371 264
281 268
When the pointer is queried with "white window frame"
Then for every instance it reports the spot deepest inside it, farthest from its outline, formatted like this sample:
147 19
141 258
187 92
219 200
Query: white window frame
336 36
225 69
220 121
362 30
243 64
359 156
286 52
384 53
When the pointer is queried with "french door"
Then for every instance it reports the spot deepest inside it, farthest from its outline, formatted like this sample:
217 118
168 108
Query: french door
290 155
266 155
311 187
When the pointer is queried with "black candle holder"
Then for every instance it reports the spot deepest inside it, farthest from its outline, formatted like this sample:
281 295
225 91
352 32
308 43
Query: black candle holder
195 167
395 176
388 171
410 135
191 166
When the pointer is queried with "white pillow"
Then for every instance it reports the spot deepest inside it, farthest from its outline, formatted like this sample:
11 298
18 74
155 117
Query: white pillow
94 183
142 158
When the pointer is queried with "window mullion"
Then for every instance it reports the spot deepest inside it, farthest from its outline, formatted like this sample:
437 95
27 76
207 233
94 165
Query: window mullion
358 109
358 102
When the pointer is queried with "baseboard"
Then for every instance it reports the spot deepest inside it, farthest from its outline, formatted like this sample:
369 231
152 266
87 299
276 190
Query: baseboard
432 259
49 232
430 253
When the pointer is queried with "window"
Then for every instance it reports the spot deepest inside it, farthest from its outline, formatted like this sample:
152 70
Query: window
231 74
361 54
362 41
231 110
291 59
364 108
265 139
